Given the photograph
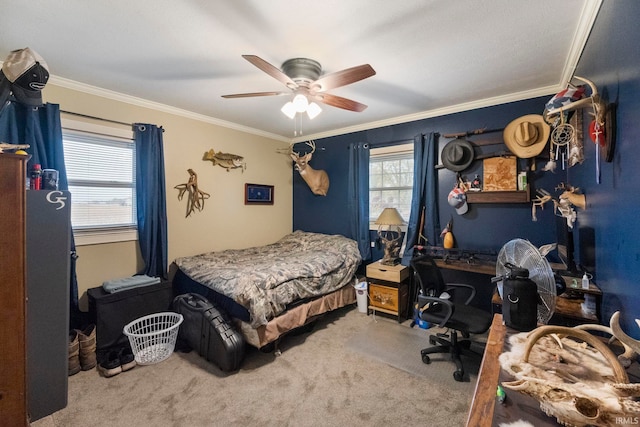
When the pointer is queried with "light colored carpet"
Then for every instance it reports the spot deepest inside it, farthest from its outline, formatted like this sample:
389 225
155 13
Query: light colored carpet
399 345
319 380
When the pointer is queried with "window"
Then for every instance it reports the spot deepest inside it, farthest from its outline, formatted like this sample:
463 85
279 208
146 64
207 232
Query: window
100 164
390 180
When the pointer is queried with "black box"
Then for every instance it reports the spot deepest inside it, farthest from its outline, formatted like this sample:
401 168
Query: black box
111 312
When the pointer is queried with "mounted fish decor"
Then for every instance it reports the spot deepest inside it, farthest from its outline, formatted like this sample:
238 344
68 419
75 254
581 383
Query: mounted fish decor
226 160
196 196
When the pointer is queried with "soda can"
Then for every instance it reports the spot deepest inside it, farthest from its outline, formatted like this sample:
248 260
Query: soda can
49 179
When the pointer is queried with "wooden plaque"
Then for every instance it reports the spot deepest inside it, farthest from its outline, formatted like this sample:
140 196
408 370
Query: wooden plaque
500 174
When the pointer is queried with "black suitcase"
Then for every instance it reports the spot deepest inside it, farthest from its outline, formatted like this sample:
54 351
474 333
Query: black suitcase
209 331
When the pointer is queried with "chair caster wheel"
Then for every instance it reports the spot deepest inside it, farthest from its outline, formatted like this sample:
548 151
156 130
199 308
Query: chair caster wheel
458 375
426 359
432 340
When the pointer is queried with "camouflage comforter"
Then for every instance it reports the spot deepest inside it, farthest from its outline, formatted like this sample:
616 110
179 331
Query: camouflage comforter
265 279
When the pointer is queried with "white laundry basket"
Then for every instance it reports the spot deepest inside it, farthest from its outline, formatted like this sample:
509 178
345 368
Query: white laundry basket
153 337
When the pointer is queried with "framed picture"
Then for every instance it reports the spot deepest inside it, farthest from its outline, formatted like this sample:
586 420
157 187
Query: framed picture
258 194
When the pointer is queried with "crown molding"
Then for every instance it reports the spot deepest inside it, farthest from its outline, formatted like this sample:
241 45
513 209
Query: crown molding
467 106
121 97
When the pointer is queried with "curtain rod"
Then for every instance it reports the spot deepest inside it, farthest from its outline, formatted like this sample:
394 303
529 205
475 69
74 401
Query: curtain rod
398 140
86 116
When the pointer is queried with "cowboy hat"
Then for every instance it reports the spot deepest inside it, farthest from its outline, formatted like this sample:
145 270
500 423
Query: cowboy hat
526 136
457 155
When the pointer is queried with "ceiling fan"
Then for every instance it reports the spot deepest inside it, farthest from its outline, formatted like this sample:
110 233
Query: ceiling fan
302 77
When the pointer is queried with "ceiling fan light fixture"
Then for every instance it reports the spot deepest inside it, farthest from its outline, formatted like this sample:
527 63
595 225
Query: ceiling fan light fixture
301 103
289 110
313 110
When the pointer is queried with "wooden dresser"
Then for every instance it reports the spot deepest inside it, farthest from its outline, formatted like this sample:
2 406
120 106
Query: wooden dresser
13 378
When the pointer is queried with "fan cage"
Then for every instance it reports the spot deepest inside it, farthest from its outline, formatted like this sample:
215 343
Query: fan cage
524 254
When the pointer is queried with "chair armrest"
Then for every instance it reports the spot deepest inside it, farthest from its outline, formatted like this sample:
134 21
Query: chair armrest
471 289
447 308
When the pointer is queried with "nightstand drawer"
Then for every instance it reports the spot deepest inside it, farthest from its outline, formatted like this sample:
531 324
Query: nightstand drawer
390 273
384 297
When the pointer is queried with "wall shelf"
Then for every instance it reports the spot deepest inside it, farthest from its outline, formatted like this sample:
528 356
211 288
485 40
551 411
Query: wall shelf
499 196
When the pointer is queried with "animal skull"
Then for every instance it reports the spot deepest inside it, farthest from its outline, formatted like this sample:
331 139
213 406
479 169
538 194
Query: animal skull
578 383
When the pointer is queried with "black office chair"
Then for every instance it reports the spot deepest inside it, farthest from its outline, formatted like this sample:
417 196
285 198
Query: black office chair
447 305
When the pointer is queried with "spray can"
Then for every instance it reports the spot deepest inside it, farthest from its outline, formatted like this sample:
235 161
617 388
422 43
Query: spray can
36 177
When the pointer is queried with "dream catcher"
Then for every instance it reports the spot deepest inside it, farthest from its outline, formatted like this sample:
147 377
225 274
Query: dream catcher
562 136
567 144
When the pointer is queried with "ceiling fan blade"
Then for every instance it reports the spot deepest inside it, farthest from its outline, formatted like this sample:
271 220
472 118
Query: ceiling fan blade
342 78
274 72
339 102
251 94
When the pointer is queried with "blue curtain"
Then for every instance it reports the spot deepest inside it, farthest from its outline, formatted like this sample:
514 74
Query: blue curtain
41 129
424 195
151 199
358 197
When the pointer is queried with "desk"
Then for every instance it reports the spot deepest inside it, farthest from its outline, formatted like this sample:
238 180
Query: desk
568 310
480 267
484 396
484 412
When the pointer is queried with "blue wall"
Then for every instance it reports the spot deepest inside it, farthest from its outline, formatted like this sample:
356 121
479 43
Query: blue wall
484 227
612 61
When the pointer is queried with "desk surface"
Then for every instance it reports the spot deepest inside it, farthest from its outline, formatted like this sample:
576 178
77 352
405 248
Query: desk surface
480 267
483 411
484 396
566 307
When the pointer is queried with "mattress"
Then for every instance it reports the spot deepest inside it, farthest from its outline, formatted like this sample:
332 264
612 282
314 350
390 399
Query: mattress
268 280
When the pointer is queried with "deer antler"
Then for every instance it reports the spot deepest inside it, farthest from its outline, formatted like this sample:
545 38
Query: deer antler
542 197
312 144
287 151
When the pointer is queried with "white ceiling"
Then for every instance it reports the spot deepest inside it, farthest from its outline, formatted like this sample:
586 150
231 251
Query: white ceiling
432 57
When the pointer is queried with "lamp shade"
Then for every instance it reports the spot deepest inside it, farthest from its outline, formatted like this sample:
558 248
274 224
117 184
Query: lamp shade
390 216
313 110
300 102
289 110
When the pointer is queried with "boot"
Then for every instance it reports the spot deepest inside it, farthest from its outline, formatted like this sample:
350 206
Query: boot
87 339
74 353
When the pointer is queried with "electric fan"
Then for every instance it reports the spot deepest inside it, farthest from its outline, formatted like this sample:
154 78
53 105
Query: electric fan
523 254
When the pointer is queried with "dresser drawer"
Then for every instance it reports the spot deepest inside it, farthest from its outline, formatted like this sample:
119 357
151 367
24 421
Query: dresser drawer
390 273
384 297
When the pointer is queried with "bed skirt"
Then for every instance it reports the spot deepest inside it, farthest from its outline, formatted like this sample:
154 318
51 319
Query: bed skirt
296 317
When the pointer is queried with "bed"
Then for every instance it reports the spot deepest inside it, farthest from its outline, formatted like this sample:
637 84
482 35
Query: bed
273 289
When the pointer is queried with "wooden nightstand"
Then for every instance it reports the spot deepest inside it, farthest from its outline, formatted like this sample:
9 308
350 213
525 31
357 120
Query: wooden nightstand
389 289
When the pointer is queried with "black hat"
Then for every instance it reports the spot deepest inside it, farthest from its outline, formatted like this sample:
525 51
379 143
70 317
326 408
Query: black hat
457 155
27 73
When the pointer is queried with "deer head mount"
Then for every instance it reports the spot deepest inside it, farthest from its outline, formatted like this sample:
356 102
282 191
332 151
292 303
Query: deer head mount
316 179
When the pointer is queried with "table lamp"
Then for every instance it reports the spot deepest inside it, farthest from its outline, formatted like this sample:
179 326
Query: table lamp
390 217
